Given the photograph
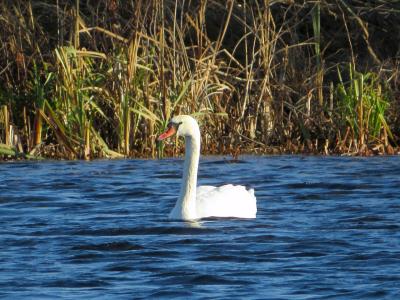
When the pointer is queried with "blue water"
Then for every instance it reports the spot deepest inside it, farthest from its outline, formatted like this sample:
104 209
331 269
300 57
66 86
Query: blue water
326 228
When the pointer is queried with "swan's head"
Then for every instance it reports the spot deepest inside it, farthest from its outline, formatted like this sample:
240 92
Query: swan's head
182 125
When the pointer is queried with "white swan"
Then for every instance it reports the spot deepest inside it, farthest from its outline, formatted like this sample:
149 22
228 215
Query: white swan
205 201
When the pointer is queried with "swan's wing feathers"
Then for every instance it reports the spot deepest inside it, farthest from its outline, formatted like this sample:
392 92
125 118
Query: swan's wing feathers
226 201
204 189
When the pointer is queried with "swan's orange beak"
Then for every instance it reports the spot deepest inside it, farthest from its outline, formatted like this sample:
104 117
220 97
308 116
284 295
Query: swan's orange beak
170 131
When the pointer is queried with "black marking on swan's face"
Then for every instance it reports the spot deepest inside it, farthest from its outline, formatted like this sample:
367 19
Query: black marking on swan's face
174 124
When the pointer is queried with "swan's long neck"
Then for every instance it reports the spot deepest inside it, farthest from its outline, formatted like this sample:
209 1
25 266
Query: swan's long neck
186 204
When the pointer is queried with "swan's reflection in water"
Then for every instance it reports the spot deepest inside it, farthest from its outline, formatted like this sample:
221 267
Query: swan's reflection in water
194 224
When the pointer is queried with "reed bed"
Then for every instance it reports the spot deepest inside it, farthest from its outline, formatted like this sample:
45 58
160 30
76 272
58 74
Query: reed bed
93 79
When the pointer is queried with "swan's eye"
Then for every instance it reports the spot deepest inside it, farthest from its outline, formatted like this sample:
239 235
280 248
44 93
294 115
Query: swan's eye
173 124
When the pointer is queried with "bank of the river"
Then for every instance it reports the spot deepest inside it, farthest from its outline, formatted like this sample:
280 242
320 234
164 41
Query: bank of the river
11 154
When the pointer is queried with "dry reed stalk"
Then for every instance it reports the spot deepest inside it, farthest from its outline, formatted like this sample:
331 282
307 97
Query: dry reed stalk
6 122
27 130
87 149
37 131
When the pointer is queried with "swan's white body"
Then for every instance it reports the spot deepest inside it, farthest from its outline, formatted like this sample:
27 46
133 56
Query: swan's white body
205 201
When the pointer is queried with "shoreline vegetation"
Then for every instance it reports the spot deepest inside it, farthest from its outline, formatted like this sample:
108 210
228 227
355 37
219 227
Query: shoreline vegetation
100 79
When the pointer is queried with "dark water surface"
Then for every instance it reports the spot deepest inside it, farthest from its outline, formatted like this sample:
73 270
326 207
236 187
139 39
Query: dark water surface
326 228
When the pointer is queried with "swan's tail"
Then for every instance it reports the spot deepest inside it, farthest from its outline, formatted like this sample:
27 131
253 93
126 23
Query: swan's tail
251 191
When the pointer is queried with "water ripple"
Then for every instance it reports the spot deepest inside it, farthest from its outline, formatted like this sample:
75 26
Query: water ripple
327 228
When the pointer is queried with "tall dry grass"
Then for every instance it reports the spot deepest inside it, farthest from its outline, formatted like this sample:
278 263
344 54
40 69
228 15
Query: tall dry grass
86 79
